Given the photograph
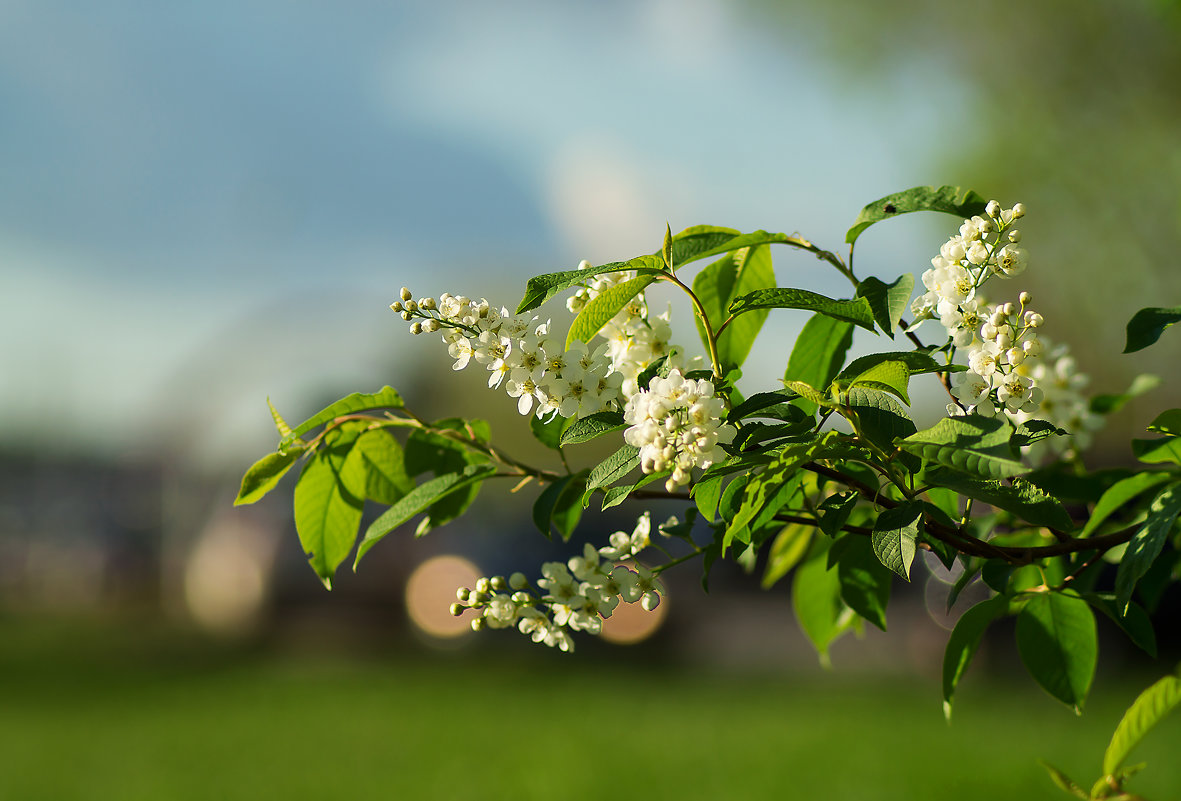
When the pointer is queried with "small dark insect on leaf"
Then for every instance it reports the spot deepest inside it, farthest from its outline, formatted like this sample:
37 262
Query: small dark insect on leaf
889 208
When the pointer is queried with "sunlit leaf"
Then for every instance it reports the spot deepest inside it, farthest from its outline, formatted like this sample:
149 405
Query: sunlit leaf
856 311
1057 642
948 199
1149 708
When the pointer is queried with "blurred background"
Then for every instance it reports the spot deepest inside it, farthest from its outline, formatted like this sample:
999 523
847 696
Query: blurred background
206 205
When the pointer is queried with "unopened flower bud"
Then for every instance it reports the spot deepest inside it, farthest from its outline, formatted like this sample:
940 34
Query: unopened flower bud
457 609
405 293
650 600
462 594
411 306
518 581
1024 297
1008 309
520 598
993 208
1003 340
483 585
407 316
584 265
1034 320
499 583
1015 356
1018 211
396 306
416 328
1014 235
428 304
431 326
1032 347
478 624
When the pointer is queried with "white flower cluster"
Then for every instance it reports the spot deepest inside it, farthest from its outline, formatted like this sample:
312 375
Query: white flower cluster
1000 338
1064 403
519 353
578 595
677 425
1000 362
634 340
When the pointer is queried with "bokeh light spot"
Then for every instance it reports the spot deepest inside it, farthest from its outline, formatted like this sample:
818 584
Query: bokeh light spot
430 592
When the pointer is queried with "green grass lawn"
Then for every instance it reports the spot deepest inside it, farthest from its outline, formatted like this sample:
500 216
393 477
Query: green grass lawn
127 719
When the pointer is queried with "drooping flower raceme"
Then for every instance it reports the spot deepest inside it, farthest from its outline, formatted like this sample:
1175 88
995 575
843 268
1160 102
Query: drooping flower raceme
1063 402
575 596
676 423
520 355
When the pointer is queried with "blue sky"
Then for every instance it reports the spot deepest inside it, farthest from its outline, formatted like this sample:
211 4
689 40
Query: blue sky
205 204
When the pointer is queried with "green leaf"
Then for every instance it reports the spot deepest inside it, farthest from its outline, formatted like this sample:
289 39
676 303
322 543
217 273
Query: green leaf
816 600
1135 623
541 288
887 301
1026 500
618 494
594 425
880 418
1109 404
835 511
773 405
706 492
808 393
1064 782
377 468
894 536
1032 431
386 398
916 362
700 241
560 505
731 500
971 444
1168 422
280 424
599 311
887 376
1147 325
1057 642
1145 545
613 468
1119 494
716 287
856 311
963 642
417 501
326 513
666 251
948 199
703 241
767 493
865 583
1156 451
819 351
789 547
1149 708
550 432
264 474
